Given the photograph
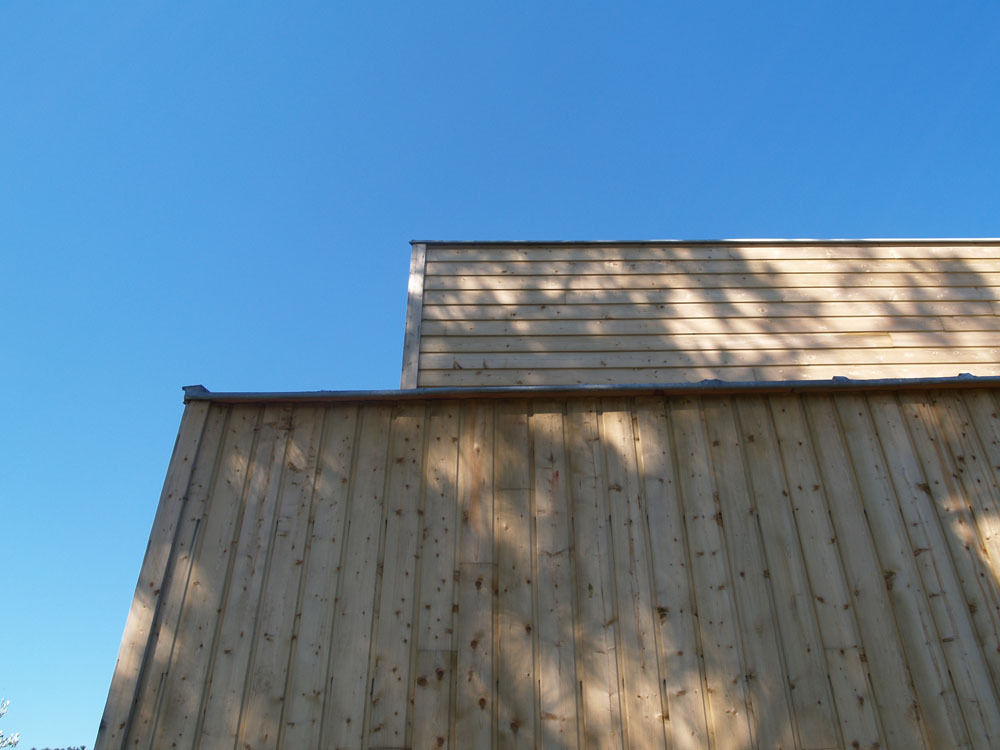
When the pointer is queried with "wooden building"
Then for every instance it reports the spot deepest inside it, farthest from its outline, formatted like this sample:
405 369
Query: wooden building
670 312
596 553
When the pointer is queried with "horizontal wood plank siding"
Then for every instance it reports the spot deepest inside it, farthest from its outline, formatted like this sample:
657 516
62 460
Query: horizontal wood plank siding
774 308
744 571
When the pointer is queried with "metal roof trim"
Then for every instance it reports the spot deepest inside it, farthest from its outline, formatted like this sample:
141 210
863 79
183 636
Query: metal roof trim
729 241
708 387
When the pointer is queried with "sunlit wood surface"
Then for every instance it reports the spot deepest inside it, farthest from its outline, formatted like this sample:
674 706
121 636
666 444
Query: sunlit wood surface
749 571
509 314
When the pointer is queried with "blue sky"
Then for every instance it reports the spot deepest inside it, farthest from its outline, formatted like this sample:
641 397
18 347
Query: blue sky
224 194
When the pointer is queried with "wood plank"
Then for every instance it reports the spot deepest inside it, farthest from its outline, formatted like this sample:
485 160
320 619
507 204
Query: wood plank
707 342
630 547
845 668
556 661
970 465
720 358
432 378
229 673
597 664
434 674
969 478
118 710
978 323
984 339
438 530
163 638
347 677
912 266
983 418
866 371
681 663
718 251
692 342
475 483
768 701
302 725
959 644
891 681
474 704
665 326
721 310
157 701
516 675
936 697
510 449
280 607
813 708
393 644
717 619
438 569
414 316
774 279
971 458
983 409
211 531
525 297
693 374
971 560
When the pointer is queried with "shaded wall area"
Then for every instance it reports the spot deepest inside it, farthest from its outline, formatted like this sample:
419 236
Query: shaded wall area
516 314
740 571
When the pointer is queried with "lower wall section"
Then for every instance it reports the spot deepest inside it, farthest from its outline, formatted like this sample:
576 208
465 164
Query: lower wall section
809 571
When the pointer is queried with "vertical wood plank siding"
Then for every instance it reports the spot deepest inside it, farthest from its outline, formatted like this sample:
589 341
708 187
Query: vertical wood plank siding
749 571
509 314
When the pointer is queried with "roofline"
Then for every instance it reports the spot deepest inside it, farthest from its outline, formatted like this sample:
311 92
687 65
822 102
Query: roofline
704 387
731 241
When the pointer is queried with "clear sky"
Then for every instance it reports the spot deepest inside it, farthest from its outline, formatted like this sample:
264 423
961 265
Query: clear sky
224 194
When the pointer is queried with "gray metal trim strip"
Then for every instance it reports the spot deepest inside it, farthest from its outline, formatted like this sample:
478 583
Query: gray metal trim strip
730 241
708 387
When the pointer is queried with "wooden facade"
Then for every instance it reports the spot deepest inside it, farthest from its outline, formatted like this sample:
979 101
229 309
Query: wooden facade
756 570
508 314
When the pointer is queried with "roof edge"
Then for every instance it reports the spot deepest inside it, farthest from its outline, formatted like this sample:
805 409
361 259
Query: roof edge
730 241
707 387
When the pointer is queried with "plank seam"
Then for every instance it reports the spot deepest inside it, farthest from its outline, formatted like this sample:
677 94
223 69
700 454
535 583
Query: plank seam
831 695
338 588
749 708
303 575
895 616
644 494
194 554
379 578
228 578
285 437
418 570
603 494
682 501
959 616
755 497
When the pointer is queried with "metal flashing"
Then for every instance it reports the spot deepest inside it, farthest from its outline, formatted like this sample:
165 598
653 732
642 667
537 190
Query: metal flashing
706 387
724 241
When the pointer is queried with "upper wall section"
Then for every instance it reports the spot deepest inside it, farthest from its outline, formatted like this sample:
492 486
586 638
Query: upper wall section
504 314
